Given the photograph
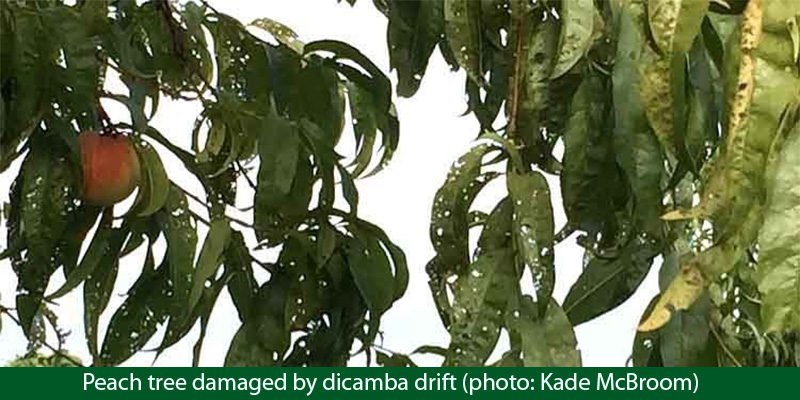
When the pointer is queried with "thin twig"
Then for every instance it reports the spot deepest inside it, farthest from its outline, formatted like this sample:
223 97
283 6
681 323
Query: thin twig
165 89
725 347
200 218
266 266
243 171
516 77
565 232
210 7
203 203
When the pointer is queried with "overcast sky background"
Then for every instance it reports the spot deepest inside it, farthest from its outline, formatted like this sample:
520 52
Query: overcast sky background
433 135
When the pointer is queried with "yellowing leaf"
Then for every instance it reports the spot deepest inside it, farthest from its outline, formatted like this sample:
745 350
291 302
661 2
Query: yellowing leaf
680 295
281 32
675 23
779 240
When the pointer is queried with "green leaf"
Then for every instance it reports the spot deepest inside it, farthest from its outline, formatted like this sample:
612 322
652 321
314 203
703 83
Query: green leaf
713 42
30 49
155 186
179 326
646 345
365 126
96 293
306 295
481 296
210 258
375 81
204 309
685 339
779 241
47 197
141 229
68 249
263 339
496 234
415 28
372 273
704 99
374 97
592 185
395 253
462 21
181 236
349 189
533 230
636 147
242 285
528 96
326 242
193 16
429 349
279 149
484 289
607 282
545 342
105 246
326 108
367 120
449 225
577 24
136 320
325 159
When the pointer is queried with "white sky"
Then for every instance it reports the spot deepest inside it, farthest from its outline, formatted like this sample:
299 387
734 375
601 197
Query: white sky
433 135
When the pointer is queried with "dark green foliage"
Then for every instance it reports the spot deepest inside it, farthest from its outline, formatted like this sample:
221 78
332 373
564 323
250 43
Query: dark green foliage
677 119
634 91
281 105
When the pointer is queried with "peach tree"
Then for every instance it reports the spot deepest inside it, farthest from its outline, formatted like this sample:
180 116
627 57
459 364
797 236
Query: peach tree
272 114
672 126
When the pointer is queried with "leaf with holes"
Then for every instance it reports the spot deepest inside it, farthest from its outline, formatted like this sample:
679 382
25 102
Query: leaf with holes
179 230
533 230
481 296
47 195
463 33
545 342
148 304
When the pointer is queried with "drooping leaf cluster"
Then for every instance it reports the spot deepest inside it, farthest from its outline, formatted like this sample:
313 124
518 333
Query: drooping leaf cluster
270 104
671 126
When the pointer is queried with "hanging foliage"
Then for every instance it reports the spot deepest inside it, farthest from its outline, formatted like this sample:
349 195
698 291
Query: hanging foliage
671 126
280 107
676 120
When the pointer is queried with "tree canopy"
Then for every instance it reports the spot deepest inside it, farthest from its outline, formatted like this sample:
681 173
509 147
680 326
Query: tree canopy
672 126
